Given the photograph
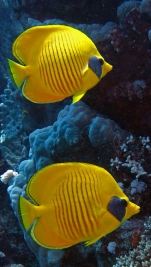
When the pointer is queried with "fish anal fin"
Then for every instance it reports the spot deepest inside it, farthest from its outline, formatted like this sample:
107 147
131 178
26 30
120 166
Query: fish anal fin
43 235
91 241
33 92
77 97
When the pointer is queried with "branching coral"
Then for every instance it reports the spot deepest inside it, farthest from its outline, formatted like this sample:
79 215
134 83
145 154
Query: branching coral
134 154
131 166
140 256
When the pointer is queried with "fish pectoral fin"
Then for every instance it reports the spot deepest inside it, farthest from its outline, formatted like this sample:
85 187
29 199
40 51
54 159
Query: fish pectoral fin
91 241
98 210
85 70
77 97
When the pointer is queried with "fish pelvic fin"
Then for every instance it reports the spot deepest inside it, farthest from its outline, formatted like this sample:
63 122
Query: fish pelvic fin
77 97
91 241
17 72
27 212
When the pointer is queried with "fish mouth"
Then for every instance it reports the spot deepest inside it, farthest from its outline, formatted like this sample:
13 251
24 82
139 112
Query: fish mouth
110 67
107 68
132 209
137 209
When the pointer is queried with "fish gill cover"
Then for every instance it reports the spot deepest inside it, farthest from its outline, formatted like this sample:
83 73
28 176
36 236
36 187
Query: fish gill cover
109 128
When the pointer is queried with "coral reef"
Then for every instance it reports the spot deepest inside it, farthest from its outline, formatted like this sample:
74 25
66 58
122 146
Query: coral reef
111 247
77 129
80 134
33 136
126 8
9 31
140 256
96 32
73 137
131 165
125 94
101 12
149 35
13 249
146 7
18 118
12 132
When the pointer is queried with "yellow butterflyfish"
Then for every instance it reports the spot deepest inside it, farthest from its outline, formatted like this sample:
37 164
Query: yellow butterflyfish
57 61
72 203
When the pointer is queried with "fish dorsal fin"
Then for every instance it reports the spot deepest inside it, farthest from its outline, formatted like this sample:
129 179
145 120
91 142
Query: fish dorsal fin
27 46
41 184
77 97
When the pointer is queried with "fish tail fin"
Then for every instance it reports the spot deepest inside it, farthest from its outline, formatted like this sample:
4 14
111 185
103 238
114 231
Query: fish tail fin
17 72
26 212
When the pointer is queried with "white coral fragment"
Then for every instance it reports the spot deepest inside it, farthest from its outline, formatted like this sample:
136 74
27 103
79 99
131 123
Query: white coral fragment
137 186
7 175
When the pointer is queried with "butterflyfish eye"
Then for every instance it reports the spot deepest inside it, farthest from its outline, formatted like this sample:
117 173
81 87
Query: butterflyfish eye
101 61
124 202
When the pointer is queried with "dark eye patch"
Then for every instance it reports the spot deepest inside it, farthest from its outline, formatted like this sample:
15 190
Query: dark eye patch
117 207
95 64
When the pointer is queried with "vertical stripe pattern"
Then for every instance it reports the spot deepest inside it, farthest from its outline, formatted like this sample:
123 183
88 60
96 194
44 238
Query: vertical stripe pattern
74 200
60 64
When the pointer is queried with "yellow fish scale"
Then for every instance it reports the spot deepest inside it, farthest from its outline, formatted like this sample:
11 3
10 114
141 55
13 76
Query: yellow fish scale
60 62
74 206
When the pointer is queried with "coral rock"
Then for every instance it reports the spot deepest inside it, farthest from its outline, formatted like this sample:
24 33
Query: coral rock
125 94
